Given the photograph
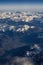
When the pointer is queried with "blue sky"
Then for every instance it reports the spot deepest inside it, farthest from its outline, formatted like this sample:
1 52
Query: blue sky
21 1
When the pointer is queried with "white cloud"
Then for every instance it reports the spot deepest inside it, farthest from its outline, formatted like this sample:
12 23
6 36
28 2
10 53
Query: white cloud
11 27
23 28
37 47
22 61
22 16
32 27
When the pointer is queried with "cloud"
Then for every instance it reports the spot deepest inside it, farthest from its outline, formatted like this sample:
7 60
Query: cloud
18 17
22 61
23 28
12 28
22 17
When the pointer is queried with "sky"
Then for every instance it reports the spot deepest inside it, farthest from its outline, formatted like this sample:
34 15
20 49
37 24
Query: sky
11 4
21 1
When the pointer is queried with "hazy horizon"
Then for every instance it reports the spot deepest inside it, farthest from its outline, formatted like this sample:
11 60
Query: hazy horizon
21 6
